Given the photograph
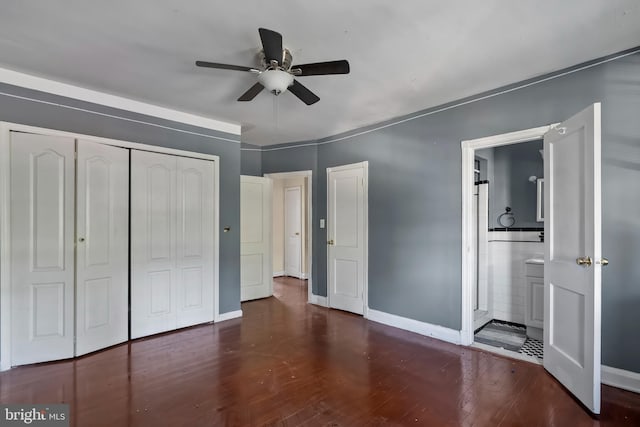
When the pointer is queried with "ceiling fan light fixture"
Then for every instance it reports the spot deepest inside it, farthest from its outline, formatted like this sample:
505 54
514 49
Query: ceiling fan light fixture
276 81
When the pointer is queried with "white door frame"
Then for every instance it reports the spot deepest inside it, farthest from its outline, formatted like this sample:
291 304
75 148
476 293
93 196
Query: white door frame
365 292
5 217
308 174
468 250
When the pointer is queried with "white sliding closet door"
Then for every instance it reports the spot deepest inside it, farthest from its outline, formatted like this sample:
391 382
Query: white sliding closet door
42 247
102 246
172 201
195 241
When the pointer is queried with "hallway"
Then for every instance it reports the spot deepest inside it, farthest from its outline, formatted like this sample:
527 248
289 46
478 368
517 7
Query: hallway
290 363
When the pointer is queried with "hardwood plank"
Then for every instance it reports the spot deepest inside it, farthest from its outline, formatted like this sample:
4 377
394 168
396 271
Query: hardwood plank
288 363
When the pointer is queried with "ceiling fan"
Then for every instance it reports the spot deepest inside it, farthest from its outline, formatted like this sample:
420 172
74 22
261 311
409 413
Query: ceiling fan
276 72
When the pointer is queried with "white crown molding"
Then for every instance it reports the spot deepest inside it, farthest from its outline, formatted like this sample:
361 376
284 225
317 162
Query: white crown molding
422 328
63 89
228 316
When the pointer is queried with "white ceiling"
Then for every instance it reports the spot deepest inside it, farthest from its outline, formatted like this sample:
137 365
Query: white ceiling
405 56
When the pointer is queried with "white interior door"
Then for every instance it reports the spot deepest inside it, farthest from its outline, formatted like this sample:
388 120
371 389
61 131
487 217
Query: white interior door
153 243
42 247
293 232
102 246
346 237
573 255
255 237
195 230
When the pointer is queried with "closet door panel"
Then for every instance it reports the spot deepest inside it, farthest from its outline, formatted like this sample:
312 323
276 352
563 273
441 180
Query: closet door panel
102 246
195 241
153 243
42 247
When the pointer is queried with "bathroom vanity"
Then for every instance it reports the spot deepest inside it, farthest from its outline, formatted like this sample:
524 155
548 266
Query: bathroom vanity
534 297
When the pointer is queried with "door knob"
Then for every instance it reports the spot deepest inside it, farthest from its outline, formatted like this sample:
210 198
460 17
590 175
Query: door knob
603 262
330 242
297 234
585 260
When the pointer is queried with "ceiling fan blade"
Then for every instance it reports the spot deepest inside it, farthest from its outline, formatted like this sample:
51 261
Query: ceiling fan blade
224 66
323 68
272 45
304 94
252 92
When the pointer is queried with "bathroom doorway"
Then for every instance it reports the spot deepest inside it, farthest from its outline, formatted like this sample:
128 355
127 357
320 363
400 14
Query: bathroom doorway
572 267
508 272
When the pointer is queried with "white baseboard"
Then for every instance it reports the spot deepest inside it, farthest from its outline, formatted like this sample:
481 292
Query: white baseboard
318 300
278 273
422 328
228 316
620 378
304 276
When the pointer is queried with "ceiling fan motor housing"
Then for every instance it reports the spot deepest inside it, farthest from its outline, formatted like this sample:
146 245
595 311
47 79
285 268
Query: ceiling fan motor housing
285 62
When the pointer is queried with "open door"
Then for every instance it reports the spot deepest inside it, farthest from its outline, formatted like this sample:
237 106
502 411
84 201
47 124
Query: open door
256 269
573 260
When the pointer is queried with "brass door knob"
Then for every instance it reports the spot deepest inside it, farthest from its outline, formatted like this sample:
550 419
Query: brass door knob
604 262
585 260
330 242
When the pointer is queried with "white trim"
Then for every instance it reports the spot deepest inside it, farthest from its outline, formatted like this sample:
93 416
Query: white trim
365 175
5 209
422 328
304 276
278 273
7 126
5 249
228 316
468 250
620 378
458 104
309 175
318 300
71 91
288 175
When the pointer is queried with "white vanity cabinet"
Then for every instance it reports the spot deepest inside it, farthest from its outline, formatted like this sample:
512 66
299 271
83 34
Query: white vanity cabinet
534 298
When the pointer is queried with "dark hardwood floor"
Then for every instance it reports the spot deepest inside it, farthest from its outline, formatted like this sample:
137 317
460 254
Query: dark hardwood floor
289 363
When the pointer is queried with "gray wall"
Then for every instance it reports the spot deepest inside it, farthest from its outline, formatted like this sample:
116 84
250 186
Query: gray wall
415 196
250 160
512 165
51 113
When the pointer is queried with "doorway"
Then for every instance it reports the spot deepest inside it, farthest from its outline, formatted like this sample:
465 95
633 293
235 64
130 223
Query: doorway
291 226
471 252
509 248
572 264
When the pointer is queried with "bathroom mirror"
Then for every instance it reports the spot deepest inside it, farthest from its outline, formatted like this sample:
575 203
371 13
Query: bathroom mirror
540 200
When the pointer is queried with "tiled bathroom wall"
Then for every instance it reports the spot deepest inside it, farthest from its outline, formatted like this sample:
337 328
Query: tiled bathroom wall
508 251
